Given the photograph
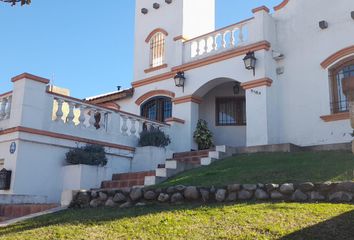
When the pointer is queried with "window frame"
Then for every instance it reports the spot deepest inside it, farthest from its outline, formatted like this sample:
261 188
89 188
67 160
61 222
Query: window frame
160 103
240 115
333 72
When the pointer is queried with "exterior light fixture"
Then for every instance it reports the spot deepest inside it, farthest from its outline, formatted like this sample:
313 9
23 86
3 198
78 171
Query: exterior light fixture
323 25
180 80
144 11
236 88
156 5
250 62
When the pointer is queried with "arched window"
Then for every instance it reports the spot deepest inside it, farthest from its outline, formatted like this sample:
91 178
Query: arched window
157 49
157 109
338 73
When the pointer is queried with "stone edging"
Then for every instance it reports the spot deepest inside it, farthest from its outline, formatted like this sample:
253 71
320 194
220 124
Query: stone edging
304 192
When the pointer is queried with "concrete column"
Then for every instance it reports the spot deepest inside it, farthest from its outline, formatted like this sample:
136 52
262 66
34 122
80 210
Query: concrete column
30 103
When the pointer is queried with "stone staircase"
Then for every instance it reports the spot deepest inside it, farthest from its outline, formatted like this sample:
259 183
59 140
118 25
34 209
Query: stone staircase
11 211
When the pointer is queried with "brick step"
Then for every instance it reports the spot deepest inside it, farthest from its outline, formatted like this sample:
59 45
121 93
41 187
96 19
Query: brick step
118 184
201 153
132 176
191 160
20 210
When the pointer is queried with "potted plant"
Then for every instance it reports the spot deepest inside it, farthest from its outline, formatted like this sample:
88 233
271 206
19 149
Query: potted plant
85 168
203 136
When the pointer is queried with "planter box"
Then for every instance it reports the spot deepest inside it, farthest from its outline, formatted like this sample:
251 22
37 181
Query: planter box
147 158
83 177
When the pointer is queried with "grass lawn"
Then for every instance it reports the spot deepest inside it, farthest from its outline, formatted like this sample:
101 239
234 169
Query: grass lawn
271 168
242 221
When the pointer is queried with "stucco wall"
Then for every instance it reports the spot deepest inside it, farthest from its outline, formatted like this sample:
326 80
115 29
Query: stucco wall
222 135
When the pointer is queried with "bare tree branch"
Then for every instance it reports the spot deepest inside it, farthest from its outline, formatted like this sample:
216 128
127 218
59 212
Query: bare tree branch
13 2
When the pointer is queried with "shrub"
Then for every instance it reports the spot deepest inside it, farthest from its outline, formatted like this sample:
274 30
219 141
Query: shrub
154 137
203 136
93 155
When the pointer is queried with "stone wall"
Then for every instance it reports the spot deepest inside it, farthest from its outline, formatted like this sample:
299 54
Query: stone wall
304 192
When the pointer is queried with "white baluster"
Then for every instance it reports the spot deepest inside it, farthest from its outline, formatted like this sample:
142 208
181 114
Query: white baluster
124 126
8 107
92 119
102 121
198 48
232 39
2 108
59 114
148 126
224 39
71 116
132 128
240 35
206 45
140 125
82 116
213 44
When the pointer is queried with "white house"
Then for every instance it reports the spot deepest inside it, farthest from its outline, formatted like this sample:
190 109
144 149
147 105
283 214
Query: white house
293 94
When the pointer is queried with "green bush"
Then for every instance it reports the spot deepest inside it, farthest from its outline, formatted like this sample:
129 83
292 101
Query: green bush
154 137
93 155
203 136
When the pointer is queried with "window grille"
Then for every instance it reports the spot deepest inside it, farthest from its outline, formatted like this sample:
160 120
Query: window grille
157 50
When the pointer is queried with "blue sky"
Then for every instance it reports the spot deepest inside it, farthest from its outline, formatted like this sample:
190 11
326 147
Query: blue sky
86 45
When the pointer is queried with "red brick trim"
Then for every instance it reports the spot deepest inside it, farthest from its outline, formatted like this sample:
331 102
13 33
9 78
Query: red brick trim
281 5
153 93
149 70
147 40
111 105
261 8
64 136
336 117
257 83
5 94
180 38
176 120
185 99
337 55
31 77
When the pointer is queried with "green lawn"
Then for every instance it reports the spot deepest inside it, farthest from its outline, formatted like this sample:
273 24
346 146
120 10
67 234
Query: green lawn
242 221
271 168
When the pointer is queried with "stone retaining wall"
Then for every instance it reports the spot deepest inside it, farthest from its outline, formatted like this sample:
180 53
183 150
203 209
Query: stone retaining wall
304 192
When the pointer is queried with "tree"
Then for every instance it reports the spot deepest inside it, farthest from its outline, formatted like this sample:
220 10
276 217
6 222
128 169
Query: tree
13 2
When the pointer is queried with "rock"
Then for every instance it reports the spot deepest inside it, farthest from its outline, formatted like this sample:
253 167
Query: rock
212 190
94 194
119 197
249 187
110 203
307 186
325 187
158 191
82 200
232 197
95 203
234 187
150 195
316 196
136 194
191 193
299 196
180 188
245 195
345 187
261 194
177 198
275 195
126 205
260 185
205 195
111 192
140 204
102 196
170 190
287 188
271 187
220 195
340 197
163 197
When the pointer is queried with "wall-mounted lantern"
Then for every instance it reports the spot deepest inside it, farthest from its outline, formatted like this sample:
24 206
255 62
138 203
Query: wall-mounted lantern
250 62
180 80
236 88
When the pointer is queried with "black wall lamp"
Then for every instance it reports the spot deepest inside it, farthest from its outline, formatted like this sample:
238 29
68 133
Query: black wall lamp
180 80
250 62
